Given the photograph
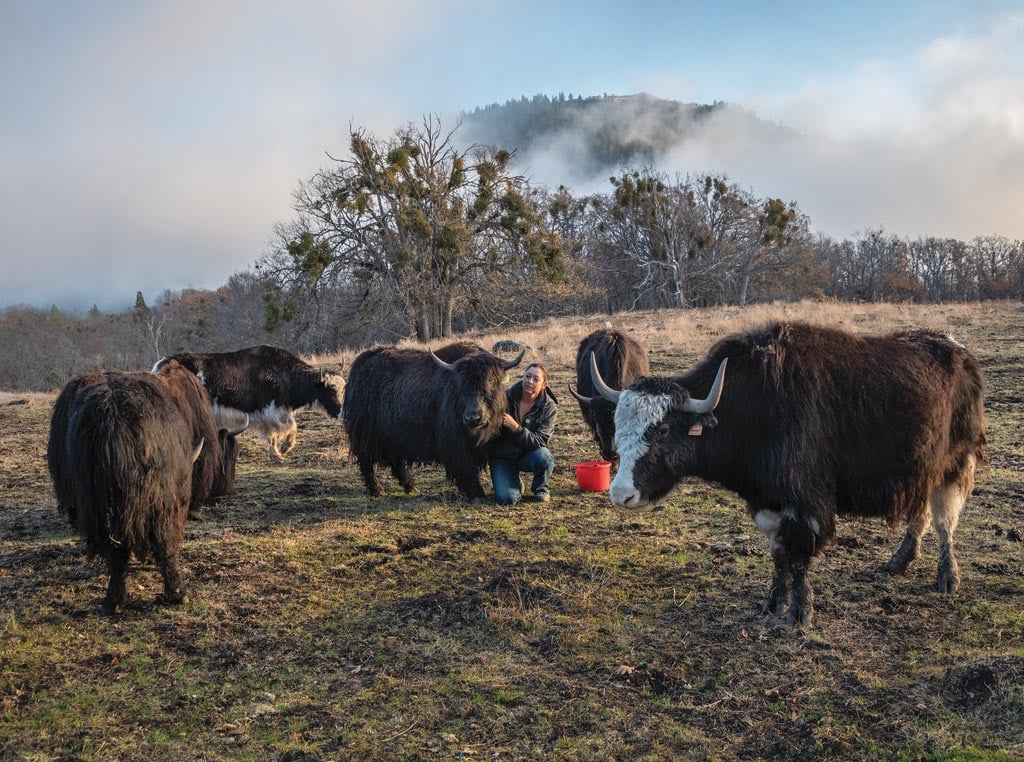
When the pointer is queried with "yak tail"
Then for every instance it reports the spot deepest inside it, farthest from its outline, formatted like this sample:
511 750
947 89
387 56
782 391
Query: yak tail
128 487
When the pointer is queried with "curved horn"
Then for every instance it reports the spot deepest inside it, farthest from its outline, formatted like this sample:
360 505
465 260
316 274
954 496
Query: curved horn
577 395
196 452
606 391
236 432
439 361
506 364
709 404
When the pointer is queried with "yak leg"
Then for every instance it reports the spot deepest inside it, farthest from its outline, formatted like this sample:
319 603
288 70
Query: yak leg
778 593
169 564
369 478
793 537
401 471
801 602
768 521
946 506
288 437
910 547
467 479
117 566
273 449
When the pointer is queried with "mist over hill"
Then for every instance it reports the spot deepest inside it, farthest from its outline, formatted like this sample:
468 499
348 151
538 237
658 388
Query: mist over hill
580 141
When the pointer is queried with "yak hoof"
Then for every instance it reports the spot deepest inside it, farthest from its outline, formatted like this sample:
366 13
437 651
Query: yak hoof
775 603
110 609
476 501
173 598
948 582
894 566
800 616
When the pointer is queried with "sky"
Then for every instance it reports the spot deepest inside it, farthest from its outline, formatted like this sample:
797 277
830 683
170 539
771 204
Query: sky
152 146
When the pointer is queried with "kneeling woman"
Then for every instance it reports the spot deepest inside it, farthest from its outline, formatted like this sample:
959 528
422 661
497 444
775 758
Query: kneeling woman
522 443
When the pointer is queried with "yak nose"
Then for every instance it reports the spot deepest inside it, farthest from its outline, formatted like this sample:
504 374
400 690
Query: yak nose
626 496
473 419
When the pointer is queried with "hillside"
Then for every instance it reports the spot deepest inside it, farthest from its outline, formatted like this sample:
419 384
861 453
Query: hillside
591 137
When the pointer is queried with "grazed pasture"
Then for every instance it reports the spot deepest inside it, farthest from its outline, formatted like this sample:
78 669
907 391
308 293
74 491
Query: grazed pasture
325 624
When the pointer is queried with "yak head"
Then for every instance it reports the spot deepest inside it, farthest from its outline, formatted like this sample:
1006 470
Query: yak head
477 387
328 391
224 479
657 425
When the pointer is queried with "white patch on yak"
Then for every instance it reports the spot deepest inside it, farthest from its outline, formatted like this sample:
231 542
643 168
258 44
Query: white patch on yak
954 341
634 414
768 522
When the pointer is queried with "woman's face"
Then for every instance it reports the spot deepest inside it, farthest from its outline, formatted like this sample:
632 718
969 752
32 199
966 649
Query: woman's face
534 381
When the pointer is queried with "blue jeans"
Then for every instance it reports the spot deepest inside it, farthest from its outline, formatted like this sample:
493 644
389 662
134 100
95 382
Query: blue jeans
505 475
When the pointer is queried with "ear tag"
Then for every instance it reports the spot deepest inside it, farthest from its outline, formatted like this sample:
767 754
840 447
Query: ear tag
696 430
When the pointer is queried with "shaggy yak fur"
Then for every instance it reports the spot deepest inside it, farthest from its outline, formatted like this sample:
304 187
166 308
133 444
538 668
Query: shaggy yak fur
621 361
403 406
129 454
265 383
813 423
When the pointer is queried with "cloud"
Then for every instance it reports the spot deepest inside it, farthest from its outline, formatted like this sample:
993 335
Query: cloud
157 146
930 144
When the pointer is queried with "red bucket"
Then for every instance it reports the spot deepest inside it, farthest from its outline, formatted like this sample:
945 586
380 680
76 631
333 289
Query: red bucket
594 475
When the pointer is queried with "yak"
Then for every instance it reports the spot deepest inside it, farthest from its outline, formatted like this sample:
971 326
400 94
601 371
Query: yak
123 453
214 471
814 423
408 406
265 383
621 360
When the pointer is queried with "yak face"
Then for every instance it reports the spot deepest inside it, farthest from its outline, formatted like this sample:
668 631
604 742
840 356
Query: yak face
224 481
657 431
477 392
328 390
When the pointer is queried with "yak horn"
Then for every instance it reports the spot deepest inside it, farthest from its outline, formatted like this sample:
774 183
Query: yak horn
709 404
606 391
439 361
244 426
198 450
580 397
507 364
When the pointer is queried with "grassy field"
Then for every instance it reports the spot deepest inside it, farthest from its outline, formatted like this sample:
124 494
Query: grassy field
325 624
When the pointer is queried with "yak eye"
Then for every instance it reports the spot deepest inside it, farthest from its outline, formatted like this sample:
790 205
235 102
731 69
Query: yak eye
658 433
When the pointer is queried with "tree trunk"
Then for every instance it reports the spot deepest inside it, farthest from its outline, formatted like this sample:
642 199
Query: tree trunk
743 289
423 327
446 314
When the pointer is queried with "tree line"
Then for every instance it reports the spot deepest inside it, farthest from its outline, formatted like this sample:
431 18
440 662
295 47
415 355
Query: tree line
413 235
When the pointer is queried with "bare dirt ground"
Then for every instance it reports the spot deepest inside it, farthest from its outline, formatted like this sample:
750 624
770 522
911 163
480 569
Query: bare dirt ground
325 624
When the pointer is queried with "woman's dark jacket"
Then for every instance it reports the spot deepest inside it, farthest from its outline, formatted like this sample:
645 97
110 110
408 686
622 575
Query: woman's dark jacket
536 429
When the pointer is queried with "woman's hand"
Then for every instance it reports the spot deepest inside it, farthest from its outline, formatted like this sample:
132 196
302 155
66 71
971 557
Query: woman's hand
509 422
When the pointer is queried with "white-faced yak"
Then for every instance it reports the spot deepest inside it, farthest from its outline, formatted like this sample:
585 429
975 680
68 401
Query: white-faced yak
810 423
